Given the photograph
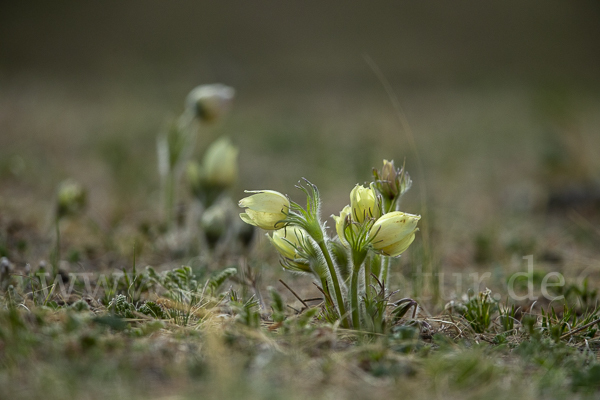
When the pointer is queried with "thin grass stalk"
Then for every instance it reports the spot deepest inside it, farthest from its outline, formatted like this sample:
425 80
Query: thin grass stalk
56 261
385 270
425 228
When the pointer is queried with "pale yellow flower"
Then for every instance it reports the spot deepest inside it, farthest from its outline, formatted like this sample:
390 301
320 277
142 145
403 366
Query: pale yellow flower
265 209
220 163
394 232
286 241
364 203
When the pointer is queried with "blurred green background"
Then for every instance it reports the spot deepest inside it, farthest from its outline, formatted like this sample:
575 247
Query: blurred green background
502 98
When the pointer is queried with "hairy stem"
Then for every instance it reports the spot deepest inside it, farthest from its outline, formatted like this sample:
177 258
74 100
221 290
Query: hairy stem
336 283
354 298
325 287
358 259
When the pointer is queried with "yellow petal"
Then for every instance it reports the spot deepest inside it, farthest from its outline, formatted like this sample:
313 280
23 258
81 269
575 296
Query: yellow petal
220 162
364 203
266 201
393 227
339 224
265 220
400 247
247 219
286 239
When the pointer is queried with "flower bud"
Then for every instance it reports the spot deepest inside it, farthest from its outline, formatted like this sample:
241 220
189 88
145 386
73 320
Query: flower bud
286 241
71 198
220 163
364 203
265 209
210 102
394 232
391 182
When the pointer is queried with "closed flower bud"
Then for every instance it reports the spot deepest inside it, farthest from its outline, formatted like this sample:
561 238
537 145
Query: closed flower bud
388 176
364 203
394 232
210 102
286 241
391 182
71 198
265 209
220 163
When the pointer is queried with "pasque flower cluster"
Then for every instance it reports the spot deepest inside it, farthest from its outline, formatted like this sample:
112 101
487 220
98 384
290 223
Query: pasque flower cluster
371 230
